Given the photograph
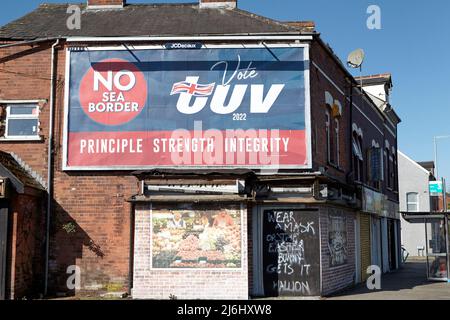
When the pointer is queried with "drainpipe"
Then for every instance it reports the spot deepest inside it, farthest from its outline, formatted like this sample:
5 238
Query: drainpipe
49 165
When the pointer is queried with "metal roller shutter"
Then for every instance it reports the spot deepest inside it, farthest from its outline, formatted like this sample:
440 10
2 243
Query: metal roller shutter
365 244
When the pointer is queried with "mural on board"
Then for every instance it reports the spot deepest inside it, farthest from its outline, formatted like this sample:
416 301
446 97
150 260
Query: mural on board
337 240
193 236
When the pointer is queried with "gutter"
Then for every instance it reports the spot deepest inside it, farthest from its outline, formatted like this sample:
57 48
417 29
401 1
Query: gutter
256 37
49 165
25 42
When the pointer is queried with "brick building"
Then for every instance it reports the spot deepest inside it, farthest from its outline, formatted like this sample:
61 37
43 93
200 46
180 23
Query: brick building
309 225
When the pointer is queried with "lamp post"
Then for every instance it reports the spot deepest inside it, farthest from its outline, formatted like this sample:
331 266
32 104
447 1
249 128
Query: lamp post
436 138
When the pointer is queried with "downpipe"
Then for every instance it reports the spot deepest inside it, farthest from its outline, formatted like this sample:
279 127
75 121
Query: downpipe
49 165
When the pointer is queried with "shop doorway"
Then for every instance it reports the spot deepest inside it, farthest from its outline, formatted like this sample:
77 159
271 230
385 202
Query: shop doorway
289 252
392 244
376 253
3 246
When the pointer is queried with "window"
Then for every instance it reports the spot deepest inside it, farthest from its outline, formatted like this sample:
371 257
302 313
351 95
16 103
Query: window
395 172
412 202
357 157
388 168
336 140
374 169
328 132
22 121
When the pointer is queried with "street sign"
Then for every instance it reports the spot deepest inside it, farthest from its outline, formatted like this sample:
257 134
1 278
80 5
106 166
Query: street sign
435 188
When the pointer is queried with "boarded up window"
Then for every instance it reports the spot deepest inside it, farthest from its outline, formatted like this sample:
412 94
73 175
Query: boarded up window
291 255
337 240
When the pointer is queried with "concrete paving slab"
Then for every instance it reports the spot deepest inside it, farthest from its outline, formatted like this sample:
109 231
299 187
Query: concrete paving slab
408 283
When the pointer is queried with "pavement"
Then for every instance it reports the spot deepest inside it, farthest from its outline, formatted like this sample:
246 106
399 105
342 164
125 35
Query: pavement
408 283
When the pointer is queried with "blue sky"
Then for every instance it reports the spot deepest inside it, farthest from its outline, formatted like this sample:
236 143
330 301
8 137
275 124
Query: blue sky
412 44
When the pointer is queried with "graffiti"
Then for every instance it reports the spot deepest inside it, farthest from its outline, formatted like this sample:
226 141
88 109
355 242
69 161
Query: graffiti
337 243
291 258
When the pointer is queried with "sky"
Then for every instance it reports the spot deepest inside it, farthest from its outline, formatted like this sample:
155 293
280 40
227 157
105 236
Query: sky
412 44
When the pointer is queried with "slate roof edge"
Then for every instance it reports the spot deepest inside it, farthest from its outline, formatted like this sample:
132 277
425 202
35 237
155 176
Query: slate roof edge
238 11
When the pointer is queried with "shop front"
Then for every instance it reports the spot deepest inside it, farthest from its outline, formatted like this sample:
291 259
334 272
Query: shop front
190 240
384 230
303 245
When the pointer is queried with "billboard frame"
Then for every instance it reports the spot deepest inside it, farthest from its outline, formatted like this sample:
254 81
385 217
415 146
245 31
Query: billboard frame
308 138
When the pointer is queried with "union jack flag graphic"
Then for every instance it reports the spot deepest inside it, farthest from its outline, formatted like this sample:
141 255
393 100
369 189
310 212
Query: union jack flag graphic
194 89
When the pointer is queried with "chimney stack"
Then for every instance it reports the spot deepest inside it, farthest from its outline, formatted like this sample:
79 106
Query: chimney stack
218 4
105 4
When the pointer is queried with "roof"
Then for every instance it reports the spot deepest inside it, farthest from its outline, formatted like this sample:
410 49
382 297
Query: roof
50 21
377 79
414 162
429 165
20 178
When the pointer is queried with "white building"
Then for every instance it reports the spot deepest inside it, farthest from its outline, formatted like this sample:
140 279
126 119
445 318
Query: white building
414 197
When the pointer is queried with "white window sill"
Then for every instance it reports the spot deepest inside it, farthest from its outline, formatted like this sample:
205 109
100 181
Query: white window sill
18 139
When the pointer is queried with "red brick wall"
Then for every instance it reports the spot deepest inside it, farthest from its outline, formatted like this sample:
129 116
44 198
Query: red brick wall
27 225
25 75
320 84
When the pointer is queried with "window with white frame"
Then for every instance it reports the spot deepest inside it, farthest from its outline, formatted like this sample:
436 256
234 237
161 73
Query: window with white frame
412 202
22 121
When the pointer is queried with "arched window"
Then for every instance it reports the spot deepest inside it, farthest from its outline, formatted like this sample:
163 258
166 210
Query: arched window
394 170
412 202
328 134
336 141
332 127
358 157
387 166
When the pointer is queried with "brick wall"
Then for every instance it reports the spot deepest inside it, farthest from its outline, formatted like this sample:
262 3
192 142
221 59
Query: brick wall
184 284
91 229
343 276
25 75
27 228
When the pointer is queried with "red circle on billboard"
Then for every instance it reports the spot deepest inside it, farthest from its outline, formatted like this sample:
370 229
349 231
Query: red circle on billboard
113 92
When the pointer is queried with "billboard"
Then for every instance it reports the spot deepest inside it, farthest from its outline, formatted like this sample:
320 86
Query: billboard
215 107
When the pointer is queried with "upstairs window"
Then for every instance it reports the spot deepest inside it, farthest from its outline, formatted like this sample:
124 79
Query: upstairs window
395 171
412 202
328 134
22 121
375 166
358 158
336 141
332 126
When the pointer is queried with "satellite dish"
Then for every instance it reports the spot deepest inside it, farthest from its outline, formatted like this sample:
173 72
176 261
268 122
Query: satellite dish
356 58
